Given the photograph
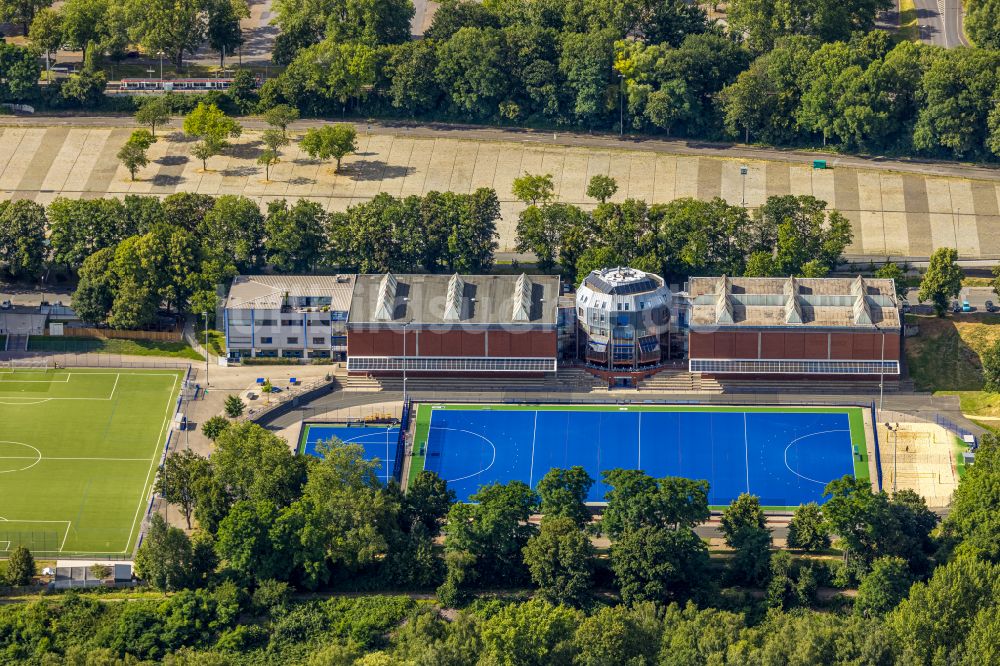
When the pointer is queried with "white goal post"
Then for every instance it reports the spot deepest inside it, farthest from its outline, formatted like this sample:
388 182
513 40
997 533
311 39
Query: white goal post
30 364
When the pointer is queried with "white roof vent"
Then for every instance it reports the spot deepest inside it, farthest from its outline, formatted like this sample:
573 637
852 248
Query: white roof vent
453 302
522 299
386 306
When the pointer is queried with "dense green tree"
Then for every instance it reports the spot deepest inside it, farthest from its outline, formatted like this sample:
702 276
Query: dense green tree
619 635
164 25
798 229
22 238
973 521
165 559
656 563
470 72
234 406
336 141
453 15
534 189
563 493
255 465
560 559
94 293
494 531
871 525
548 231
281 116
188 209
990 359
294 237
585 62
371 22
83 23
956 93
46 33
329 73
132 155
704 237
807 529
638 500
883 587
982 22
410 68
378 236
932 623
534 633
222 25
942 281
233 230
428 500
182 471
214 426
744 527
80 227
602 187
250 543
153 112
20 567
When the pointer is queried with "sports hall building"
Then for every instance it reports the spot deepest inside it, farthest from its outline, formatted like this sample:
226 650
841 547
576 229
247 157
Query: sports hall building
457 324
801 327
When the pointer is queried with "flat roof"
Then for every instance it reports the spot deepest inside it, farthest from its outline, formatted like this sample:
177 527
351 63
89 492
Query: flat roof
854 303
455 299
267 292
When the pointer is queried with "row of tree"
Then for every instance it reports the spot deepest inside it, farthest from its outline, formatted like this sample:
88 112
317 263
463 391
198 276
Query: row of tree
111 26
787 235
139 254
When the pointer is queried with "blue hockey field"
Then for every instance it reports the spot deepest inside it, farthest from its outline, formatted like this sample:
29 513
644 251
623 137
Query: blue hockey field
784 455
379 442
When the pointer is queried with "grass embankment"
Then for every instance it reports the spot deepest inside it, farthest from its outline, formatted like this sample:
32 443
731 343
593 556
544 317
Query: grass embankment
945 358
85 345
909 29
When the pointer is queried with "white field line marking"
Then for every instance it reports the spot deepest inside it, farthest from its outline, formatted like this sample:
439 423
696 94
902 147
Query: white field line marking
746 449
531 470
812 434
638 462
114 388
68 523
474 434
60 458
152 463
37 457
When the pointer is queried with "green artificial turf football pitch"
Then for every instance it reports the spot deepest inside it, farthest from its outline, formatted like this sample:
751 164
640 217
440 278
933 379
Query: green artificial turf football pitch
79 451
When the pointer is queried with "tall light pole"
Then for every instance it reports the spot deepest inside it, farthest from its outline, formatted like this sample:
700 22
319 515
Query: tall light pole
205 315
405 361
743 175
161 66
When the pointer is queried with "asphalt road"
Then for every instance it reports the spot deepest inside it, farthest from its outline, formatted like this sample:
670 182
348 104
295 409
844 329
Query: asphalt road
940 22
977 297
927 167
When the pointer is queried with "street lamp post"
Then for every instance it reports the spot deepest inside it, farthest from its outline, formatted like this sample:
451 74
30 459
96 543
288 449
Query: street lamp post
743 175
161 65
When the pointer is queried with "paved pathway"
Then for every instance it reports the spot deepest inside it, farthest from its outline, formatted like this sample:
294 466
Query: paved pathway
898 209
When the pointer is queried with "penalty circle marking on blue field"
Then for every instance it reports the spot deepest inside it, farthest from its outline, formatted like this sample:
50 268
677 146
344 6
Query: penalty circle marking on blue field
798 439
476 434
